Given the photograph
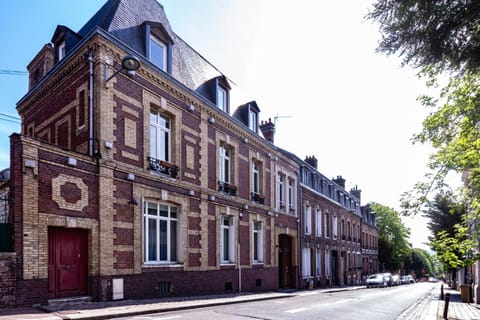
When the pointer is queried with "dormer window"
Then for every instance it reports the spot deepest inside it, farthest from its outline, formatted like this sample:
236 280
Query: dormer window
158 46
61 51
222 98
158 52
253 119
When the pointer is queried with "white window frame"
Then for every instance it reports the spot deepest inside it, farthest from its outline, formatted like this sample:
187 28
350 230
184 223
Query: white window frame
161 134
257 242
61 51
306 263
256 168
290 193
252 120
172 254
326 224
222 100
225 165
318 262
163 46
280 192
335 227
308 220
227 254
327 262
318 222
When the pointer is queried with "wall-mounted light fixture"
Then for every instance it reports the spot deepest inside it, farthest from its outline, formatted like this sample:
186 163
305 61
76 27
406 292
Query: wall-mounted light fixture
129 63
191 192
133 201
130 176
72 162
211 197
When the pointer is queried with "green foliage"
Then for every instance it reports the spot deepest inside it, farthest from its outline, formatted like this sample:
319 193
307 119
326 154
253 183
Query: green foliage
419 262
444 34
454 251
444 213
437 37
393 236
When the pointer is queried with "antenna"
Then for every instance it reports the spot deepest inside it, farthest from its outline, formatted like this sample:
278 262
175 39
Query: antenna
275 119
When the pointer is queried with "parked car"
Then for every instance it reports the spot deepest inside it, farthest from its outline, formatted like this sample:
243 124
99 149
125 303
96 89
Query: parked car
406 279
388 278
396 280
376 280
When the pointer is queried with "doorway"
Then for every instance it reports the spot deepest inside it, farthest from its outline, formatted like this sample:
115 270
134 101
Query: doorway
67 262
285 261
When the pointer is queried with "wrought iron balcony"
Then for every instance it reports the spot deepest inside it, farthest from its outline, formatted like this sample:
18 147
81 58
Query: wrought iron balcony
163 167
227 188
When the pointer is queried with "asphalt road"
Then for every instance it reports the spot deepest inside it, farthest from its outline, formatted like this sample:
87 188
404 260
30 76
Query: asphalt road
368 304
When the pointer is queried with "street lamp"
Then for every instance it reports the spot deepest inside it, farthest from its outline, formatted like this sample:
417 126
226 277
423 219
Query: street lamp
129 63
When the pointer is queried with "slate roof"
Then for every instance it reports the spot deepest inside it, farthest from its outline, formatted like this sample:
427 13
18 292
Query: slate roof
125 20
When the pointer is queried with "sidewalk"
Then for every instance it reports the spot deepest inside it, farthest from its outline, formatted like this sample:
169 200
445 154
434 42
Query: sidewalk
125 308
457 310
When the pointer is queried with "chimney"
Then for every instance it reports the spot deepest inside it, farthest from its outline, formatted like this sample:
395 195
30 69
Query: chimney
356 192
268 129
340 181
312 161
40 65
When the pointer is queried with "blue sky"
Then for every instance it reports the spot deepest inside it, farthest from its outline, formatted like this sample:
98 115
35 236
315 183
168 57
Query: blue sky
312 63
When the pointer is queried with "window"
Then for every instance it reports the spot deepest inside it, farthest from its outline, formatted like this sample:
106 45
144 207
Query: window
227 240
327 263
61 51
318 262
280 192
222 98
318 223
257 243
306 263
290 194
225 173
160 233
253 120
308 220
335 227
327 225
160 136
256 177
158 52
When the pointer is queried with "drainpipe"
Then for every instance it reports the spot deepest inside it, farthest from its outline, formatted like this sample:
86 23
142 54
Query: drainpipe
90 106
239 264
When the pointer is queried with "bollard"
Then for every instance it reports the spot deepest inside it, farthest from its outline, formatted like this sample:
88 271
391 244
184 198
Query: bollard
441 292
445 308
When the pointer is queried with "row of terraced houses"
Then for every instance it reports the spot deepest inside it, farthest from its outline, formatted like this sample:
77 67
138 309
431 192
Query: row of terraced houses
133 177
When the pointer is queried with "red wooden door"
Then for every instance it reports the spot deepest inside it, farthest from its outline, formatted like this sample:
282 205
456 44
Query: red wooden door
285 271
67 262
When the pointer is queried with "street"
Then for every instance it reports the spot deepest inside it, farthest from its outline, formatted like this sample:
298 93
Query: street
374 303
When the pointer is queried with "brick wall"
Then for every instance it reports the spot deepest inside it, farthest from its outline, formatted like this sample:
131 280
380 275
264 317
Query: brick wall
7 279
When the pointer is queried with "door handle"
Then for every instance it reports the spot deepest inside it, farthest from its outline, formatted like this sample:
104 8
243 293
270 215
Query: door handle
68 267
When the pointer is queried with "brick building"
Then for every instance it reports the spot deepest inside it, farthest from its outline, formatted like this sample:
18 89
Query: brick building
331 229
133 177
141 183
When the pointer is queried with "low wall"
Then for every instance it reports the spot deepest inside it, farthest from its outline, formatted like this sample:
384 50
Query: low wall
7 279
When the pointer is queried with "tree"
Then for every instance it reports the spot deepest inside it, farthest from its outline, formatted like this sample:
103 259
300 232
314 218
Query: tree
444 34
437 37
446 216
392 237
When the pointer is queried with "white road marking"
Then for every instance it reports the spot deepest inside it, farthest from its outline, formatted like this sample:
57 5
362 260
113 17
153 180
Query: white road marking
309 293
296 310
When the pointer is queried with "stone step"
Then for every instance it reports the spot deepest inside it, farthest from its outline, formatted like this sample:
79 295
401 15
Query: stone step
69 300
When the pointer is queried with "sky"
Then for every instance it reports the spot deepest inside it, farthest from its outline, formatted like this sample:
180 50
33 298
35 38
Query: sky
310 65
